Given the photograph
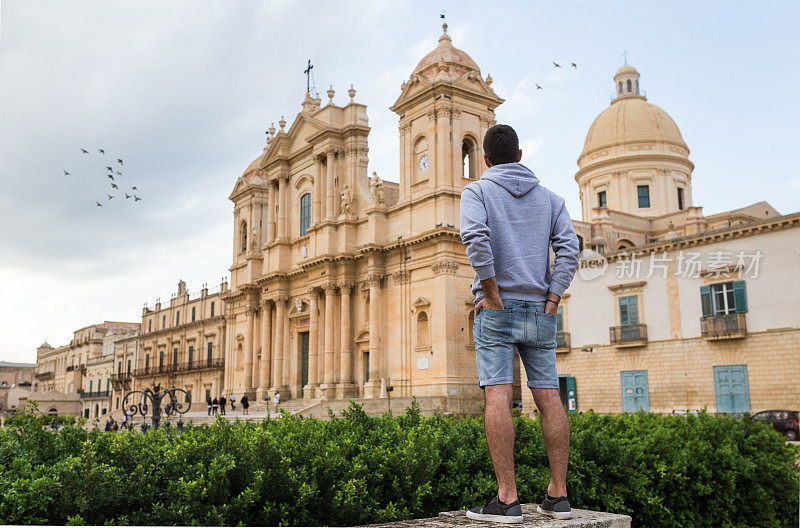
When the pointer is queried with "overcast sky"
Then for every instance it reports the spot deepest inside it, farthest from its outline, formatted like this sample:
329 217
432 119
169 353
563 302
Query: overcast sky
184 90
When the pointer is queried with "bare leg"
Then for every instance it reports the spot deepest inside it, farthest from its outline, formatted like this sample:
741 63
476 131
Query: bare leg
499 428
555 427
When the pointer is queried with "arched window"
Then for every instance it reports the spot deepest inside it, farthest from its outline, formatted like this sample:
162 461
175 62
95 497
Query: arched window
243 237
580 243
629 85
305 213
620 87
468 158
637 86
423 336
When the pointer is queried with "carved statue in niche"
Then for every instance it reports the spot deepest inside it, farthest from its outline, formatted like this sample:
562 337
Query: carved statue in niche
346 196
376 188
253 241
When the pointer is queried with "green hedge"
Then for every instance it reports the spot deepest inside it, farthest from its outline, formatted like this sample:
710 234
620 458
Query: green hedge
664 471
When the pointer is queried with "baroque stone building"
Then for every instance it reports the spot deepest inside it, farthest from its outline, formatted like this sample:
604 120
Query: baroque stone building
344 284
672 310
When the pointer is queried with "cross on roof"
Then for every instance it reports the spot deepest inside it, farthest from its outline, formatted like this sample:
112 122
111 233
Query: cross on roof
625 56
307 71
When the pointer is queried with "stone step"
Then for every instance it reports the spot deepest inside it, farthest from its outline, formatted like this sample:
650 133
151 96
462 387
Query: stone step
581 518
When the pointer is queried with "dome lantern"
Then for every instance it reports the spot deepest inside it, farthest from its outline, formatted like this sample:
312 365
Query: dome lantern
627 82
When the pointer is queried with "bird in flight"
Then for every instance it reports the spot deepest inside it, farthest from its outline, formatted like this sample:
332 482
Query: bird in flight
84 150
537 86
573 65
110 196
111 176
136 198
110 169
134 189
118 173
557 65
98 204
119 161
127 196
65 172
114 186
101 151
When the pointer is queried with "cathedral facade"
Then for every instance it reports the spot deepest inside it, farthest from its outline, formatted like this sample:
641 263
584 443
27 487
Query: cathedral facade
347 286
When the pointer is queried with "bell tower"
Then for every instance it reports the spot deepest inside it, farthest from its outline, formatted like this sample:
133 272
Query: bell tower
445 108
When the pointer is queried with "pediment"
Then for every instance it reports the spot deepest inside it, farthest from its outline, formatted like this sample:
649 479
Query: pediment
421 302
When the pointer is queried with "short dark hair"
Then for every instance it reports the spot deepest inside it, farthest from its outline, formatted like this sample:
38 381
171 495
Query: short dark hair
501 145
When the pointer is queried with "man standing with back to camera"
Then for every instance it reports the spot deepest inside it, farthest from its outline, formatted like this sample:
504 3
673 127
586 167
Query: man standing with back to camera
508 223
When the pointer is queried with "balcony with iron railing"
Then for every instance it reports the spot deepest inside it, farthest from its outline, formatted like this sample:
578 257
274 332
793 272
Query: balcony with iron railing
174 368
95 394
628 335
42 376
562 341
723 326
121 376
80 368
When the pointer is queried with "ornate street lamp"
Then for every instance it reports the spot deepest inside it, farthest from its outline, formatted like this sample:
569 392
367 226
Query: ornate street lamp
157 403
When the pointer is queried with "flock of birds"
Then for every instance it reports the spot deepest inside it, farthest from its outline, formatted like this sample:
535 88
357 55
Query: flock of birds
556 65
112 181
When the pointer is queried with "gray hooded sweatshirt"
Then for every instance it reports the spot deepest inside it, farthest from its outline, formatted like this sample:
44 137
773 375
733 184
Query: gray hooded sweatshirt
508 222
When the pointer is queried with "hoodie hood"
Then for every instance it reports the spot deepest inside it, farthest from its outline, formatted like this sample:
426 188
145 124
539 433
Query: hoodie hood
516 178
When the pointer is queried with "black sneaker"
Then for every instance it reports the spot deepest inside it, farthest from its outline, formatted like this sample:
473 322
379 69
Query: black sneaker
556 507
496 511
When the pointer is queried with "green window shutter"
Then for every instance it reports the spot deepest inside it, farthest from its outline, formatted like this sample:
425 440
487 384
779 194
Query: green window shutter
739 297
705 300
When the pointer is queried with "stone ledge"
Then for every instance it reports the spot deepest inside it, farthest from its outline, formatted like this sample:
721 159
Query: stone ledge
582 518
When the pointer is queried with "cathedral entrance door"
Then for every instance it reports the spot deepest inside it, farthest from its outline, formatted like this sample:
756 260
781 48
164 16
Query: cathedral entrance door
303 360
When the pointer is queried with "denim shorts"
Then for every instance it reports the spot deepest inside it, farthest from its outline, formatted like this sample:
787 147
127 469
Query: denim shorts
523 326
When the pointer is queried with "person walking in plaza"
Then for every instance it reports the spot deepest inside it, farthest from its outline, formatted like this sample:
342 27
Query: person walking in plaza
233 402
222 402
508 224
245 404
276 400
214 405
208 401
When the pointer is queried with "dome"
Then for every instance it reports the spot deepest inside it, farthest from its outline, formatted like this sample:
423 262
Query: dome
626 70
45 345
448 54
629 120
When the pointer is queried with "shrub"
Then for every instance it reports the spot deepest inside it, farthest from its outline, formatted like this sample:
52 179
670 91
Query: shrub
664 471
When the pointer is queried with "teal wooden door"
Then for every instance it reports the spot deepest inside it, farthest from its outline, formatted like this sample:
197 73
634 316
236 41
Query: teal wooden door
304 362
731 388
568 393
635 391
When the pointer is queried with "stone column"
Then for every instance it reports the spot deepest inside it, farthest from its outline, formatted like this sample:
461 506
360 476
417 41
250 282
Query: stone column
289 356
282 182
248 347
271 214
278 383
345 376
327 388
372 387
330 200
313 346
316 204
266 349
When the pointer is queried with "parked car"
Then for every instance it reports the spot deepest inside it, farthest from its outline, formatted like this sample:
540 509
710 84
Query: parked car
785 422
